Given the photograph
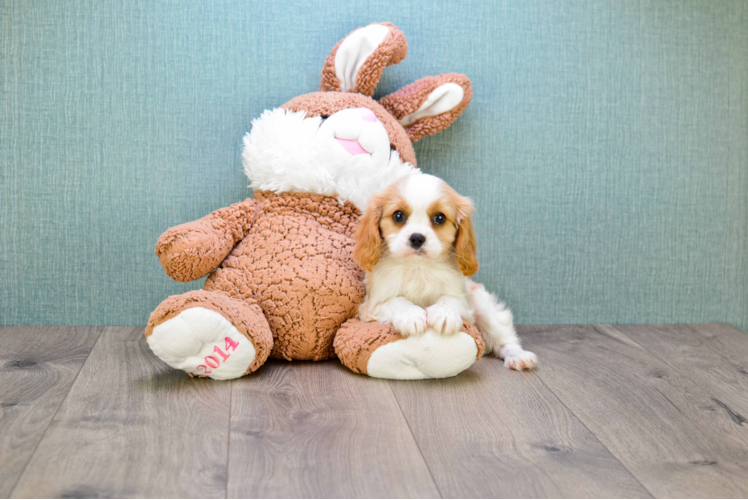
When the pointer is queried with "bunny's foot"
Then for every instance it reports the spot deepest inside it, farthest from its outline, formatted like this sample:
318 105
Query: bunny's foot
210 334
375 349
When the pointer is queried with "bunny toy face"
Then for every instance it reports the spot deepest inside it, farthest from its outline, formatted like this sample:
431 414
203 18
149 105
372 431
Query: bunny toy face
339 141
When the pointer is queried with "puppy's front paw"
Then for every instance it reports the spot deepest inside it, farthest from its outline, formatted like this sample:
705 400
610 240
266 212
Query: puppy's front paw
517 358
410 322
443 320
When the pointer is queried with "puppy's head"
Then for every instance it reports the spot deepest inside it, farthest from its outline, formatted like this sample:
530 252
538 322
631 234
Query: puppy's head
419 216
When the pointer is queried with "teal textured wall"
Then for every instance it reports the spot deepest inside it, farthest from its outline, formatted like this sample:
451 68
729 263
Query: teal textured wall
606 146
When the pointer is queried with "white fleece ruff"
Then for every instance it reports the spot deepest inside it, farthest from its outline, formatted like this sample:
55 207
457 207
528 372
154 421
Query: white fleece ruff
423 356
287 152
203 342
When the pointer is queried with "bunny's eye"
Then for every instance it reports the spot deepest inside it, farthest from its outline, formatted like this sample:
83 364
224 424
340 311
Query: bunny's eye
439 219
398 217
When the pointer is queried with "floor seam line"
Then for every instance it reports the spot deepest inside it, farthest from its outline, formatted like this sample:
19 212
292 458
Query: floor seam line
36 448
594 435
418 446
579 419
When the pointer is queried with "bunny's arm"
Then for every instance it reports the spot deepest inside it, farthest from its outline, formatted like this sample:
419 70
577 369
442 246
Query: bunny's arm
192 250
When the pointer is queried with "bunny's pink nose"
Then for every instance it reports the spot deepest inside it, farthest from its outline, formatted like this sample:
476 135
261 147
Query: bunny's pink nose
368 115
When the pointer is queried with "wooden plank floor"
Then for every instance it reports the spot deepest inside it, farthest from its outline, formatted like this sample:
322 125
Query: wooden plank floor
614 411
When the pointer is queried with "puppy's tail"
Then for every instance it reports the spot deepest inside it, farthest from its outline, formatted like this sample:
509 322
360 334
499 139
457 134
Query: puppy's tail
492 318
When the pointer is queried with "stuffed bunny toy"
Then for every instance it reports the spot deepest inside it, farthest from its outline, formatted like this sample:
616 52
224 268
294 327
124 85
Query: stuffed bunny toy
282 282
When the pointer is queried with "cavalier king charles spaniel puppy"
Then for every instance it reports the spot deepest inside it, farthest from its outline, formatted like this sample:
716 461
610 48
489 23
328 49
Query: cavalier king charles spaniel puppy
416 243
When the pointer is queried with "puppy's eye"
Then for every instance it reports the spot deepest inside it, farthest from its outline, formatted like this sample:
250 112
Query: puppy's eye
398 217
439 219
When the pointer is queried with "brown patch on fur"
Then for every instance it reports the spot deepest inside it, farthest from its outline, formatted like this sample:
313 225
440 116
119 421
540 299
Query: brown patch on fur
394 201
377 223
368 249
465 248
392 50
465 244
407 100
456 234
445 232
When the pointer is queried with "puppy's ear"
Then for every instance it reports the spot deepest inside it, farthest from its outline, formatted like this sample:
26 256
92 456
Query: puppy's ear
368 248
465 244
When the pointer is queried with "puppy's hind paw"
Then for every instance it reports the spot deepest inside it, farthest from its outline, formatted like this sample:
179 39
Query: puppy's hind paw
517 358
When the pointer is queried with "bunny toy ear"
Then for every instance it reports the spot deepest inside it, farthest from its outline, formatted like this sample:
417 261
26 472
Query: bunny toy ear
356 62
429 105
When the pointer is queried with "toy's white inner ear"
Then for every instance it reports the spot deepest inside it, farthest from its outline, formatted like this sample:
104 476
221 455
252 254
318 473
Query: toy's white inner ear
354 50
442 99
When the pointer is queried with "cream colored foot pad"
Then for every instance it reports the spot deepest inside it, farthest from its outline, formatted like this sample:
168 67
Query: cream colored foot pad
423 356
203 342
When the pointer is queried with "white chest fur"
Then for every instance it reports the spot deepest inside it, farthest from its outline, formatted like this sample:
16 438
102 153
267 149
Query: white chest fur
420 281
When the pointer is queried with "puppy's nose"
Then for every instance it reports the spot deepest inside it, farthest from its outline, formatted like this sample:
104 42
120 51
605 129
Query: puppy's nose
417 240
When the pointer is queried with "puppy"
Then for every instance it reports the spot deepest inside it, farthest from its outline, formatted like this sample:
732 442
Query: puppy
417 246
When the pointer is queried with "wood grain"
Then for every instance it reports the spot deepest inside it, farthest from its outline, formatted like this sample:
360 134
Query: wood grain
495 433
686 350
37 368
133 427
661 424
666 402
726 340
316 430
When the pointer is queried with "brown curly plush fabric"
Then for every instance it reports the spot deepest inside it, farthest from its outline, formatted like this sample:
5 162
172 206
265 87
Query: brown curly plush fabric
327 103
296 262
407 100
392 50
190 251
243 313
357 340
